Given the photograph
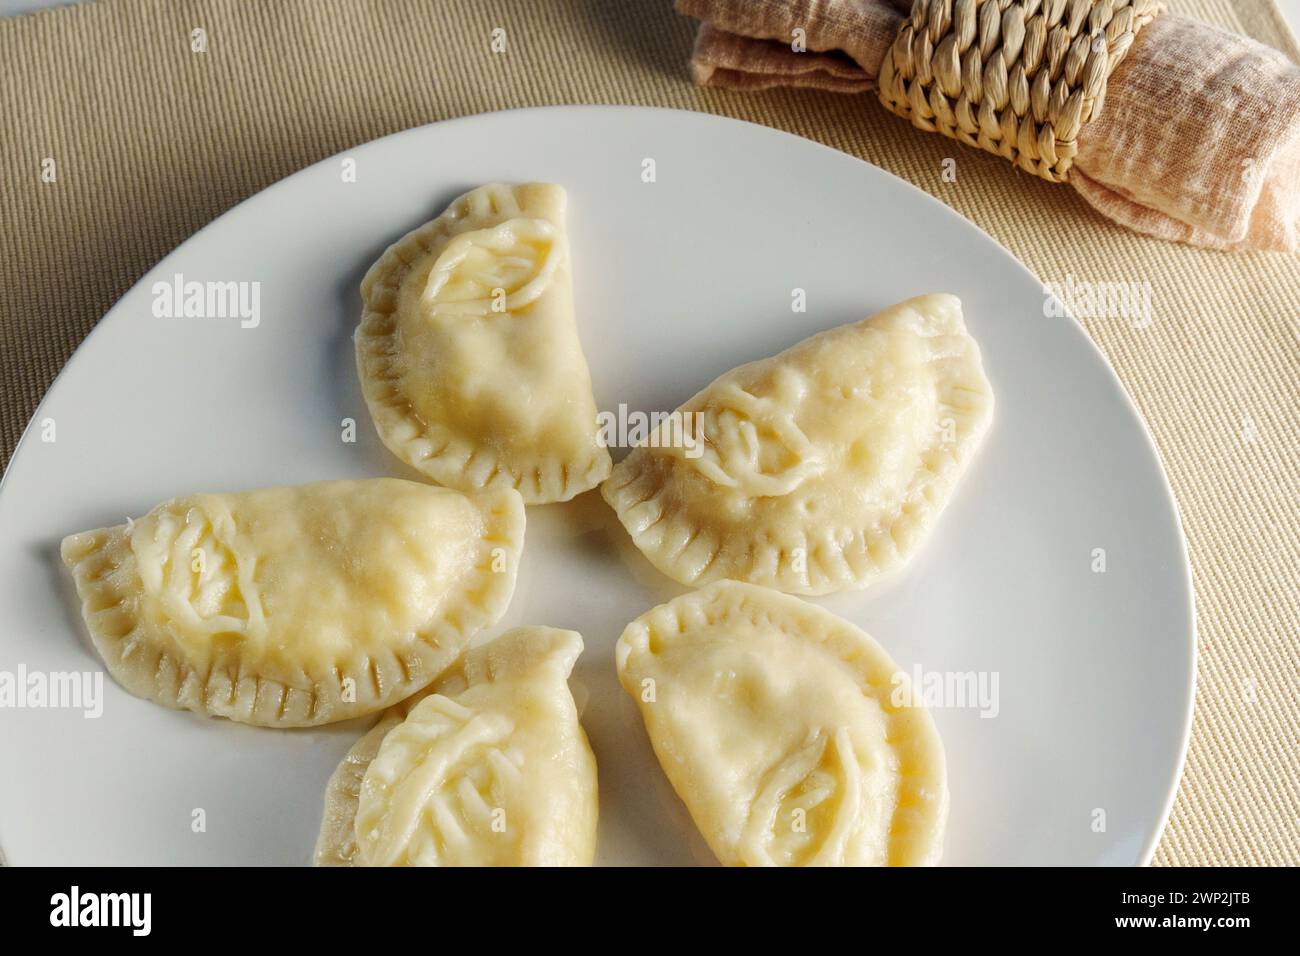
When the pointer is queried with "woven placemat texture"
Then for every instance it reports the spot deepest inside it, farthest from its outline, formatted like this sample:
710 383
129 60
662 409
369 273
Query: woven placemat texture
152 141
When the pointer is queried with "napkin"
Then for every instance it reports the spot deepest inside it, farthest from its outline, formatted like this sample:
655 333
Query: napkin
1197 137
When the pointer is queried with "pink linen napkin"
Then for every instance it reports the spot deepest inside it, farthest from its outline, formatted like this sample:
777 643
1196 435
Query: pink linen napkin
1197 140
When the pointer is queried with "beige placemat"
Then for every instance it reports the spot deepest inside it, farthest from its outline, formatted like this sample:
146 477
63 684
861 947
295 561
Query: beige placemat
151 141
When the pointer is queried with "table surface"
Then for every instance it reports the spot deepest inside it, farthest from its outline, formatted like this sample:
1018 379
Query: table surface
1290 9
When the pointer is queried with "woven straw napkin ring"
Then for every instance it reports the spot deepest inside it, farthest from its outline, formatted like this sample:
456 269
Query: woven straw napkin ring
1018 78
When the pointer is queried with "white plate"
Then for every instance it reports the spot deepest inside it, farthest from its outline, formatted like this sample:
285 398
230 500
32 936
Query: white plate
677 280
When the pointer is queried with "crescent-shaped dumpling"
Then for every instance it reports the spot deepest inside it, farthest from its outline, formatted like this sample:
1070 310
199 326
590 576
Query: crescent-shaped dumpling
786 731
298 606
820 468
491 769
468 349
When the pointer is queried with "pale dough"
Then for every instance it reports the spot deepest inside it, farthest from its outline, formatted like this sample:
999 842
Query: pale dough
301 605
468 349
822 467
788 733
491 769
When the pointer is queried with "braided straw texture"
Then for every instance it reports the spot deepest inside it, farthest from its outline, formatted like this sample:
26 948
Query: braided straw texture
1018 78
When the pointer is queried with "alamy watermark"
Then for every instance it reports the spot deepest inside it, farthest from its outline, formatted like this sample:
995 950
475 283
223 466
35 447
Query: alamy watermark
182 299
1099 300
938 690
133 911
54 690
630 429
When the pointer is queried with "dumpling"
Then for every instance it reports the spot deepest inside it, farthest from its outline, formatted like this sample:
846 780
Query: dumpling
776 723
291 607
820 468
468 350
491 769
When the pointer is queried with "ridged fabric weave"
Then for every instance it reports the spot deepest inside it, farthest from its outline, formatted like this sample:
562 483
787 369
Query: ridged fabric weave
152 141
